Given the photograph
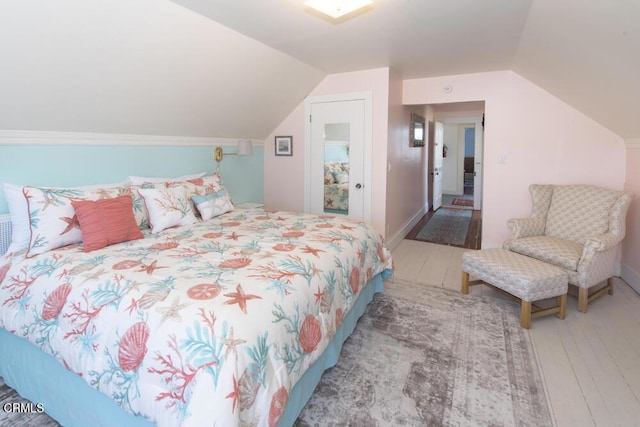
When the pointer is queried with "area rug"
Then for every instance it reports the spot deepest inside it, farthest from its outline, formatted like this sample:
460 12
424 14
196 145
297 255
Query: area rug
427 356
446 227
462 202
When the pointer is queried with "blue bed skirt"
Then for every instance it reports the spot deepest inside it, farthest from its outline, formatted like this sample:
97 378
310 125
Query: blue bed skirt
70 400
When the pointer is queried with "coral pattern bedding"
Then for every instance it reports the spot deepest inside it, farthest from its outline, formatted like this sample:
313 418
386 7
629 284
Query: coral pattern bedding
206 324
336 186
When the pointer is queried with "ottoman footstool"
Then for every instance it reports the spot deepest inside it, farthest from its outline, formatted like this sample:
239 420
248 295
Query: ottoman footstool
521 276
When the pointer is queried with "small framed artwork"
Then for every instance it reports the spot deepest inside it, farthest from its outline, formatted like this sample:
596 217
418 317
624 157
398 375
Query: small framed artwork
284 145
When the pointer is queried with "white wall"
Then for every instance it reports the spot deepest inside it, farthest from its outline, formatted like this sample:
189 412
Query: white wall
450 164
284 176
543 140
630 268
406 170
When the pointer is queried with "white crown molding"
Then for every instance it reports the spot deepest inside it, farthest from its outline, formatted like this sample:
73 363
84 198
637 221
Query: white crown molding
632 143
28 137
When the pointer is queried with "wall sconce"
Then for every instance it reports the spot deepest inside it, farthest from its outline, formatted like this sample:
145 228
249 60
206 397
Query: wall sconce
244 148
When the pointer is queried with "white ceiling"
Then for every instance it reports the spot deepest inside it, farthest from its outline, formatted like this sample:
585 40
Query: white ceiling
586 52
237 68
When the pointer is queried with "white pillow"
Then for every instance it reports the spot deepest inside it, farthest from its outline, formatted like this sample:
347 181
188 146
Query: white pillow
19 211
167 207
139 180
54 222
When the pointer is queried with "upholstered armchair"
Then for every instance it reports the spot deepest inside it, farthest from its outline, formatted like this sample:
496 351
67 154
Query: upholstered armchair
576 227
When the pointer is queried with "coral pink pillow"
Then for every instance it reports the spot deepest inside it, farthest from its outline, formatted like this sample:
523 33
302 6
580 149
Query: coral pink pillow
106 222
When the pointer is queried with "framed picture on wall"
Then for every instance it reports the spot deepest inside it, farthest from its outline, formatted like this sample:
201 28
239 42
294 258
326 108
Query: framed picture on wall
284 145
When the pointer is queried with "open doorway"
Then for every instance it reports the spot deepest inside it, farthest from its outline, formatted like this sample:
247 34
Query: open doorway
458 221
458 166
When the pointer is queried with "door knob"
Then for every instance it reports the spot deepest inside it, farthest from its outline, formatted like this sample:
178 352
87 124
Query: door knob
358 186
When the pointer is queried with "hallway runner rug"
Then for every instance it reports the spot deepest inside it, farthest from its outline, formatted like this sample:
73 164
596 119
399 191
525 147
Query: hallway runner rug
429 356
446 227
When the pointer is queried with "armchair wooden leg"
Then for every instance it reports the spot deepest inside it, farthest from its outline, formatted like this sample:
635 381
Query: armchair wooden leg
465 282
583 299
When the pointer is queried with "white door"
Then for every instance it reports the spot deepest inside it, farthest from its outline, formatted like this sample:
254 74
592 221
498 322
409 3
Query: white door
438 143
477 174
336 164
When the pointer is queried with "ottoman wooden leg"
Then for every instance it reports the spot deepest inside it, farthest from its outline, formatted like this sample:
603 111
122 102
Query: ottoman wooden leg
610 285
465 282
562 304
525 314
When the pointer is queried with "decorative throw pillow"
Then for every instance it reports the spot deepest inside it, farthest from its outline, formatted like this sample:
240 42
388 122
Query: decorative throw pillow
106 222
210 184
19 211
167 207
213 204
53 220
328 176
341 177
139 180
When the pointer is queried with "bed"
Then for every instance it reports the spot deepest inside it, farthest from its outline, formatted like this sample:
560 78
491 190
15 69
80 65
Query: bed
228 319
336 187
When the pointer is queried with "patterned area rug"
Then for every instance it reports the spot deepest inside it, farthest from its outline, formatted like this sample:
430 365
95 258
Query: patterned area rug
426 356
462 202
446 227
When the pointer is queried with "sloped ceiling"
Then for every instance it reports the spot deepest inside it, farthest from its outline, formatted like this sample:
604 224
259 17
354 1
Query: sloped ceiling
586 52
236 68
140 67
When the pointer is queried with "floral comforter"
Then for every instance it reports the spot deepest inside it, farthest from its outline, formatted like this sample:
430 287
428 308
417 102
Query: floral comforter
210 324
336 196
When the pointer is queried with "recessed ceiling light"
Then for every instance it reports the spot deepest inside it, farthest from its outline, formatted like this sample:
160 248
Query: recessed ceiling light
337 8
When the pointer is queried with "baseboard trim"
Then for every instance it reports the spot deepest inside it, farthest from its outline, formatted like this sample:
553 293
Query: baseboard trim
630 276
406 228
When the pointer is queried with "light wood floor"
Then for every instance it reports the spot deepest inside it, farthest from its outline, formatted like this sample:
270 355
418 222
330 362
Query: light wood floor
590 362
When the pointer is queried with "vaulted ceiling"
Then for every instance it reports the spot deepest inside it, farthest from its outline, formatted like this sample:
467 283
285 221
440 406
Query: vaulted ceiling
236 68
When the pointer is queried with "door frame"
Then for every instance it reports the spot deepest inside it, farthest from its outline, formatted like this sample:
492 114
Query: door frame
479 153
437 154
367 97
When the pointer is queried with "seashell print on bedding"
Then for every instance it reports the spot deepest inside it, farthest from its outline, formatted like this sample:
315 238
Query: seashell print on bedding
133 346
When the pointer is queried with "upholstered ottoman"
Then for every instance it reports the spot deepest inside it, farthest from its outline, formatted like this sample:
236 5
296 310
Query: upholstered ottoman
521 276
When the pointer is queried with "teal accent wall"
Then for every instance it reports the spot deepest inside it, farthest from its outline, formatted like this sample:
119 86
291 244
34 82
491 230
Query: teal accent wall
73 165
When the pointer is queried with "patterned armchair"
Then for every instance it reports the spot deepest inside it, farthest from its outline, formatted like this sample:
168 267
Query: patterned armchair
576 227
